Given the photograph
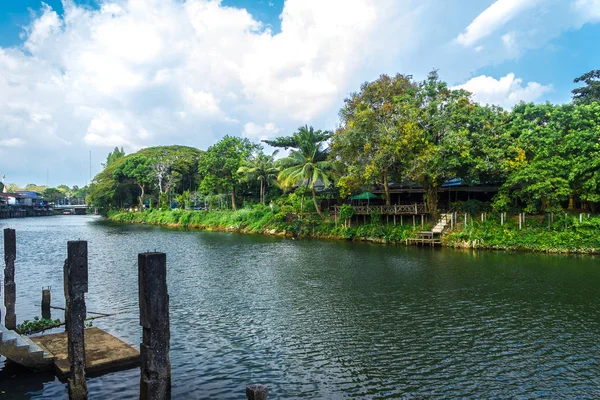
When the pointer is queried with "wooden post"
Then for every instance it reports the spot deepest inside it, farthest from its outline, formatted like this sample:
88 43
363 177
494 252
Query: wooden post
257 392
394 219
401 219
520 221
422 223
76 285
46 301
10 288
414 224
549 221
155 378
465 220
580 217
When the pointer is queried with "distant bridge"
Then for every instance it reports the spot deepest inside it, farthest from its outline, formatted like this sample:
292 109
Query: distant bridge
72 207
79 209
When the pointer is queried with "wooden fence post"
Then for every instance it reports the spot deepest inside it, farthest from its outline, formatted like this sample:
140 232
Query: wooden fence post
257 392
155 377
76 285
46 301
10 288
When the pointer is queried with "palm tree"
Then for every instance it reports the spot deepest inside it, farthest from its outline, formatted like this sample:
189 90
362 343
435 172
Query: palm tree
261 167
308 164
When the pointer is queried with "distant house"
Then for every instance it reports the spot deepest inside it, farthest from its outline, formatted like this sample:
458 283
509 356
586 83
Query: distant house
30 199
10 199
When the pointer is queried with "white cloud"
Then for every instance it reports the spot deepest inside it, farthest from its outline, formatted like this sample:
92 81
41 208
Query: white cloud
12 142
255 131
138 73
493 18
506 91
589 9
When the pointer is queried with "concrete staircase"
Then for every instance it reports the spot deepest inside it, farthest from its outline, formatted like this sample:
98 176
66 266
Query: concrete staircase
442 223
21 350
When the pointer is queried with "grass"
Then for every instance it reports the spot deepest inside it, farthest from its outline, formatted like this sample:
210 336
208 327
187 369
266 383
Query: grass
262 220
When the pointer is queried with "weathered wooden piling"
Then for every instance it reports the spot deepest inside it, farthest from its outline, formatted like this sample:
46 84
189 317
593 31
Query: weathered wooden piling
155 377
46 301
76 285
257 392
10 288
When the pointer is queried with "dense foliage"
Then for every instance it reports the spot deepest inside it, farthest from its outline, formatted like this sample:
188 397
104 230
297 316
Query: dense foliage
394 130
156 171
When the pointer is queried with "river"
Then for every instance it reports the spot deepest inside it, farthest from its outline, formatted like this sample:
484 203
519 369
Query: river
325 319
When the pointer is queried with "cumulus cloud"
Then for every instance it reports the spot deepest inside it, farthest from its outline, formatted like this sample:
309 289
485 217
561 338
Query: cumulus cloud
506 91
138 73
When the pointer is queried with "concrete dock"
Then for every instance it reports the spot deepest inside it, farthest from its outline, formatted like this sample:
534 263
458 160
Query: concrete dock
103 352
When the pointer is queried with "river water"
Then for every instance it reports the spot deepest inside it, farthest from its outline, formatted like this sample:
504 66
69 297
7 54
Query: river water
326 320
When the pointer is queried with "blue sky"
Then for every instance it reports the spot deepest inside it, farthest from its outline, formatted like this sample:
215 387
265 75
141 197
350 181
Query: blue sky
89 75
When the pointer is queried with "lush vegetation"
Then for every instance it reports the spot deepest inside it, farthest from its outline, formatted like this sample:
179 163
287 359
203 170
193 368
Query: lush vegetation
37 325
279 221
564 233
543 157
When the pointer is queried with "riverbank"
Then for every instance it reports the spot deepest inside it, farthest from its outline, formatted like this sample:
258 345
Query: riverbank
565 235
261 220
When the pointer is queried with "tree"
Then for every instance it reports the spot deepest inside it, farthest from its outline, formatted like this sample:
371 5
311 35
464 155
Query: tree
373 143
32 187
113 156
441 120
262 168
591 91
11 187
307 165
53 195
109 191
300 137
137 169
555 155
220 164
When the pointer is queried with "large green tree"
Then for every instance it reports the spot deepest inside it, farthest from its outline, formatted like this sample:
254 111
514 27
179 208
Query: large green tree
442 118
138 170
372 143
108 191
220 164
554 155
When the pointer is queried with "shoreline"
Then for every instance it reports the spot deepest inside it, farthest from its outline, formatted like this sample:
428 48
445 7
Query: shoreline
309 228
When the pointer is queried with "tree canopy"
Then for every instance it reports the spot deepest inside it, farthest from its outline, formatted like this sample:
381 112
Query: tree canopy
395 131
590 92
219 166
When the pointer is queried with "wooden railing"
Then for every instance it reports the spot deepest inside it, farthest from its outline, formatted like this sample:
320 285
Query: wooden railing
396 209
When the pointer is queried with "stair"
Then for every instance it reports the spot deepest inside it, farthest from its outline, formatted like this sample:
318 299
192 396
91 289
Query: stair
441 224
21 350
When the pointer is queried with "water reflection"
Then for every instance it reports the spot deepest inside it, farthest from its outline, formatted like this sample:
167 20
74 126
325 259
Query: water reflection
329 319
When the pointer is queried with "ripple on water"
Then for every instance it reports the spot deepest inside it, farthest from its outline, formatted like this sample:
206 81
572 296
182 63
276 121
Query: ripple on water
329 320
